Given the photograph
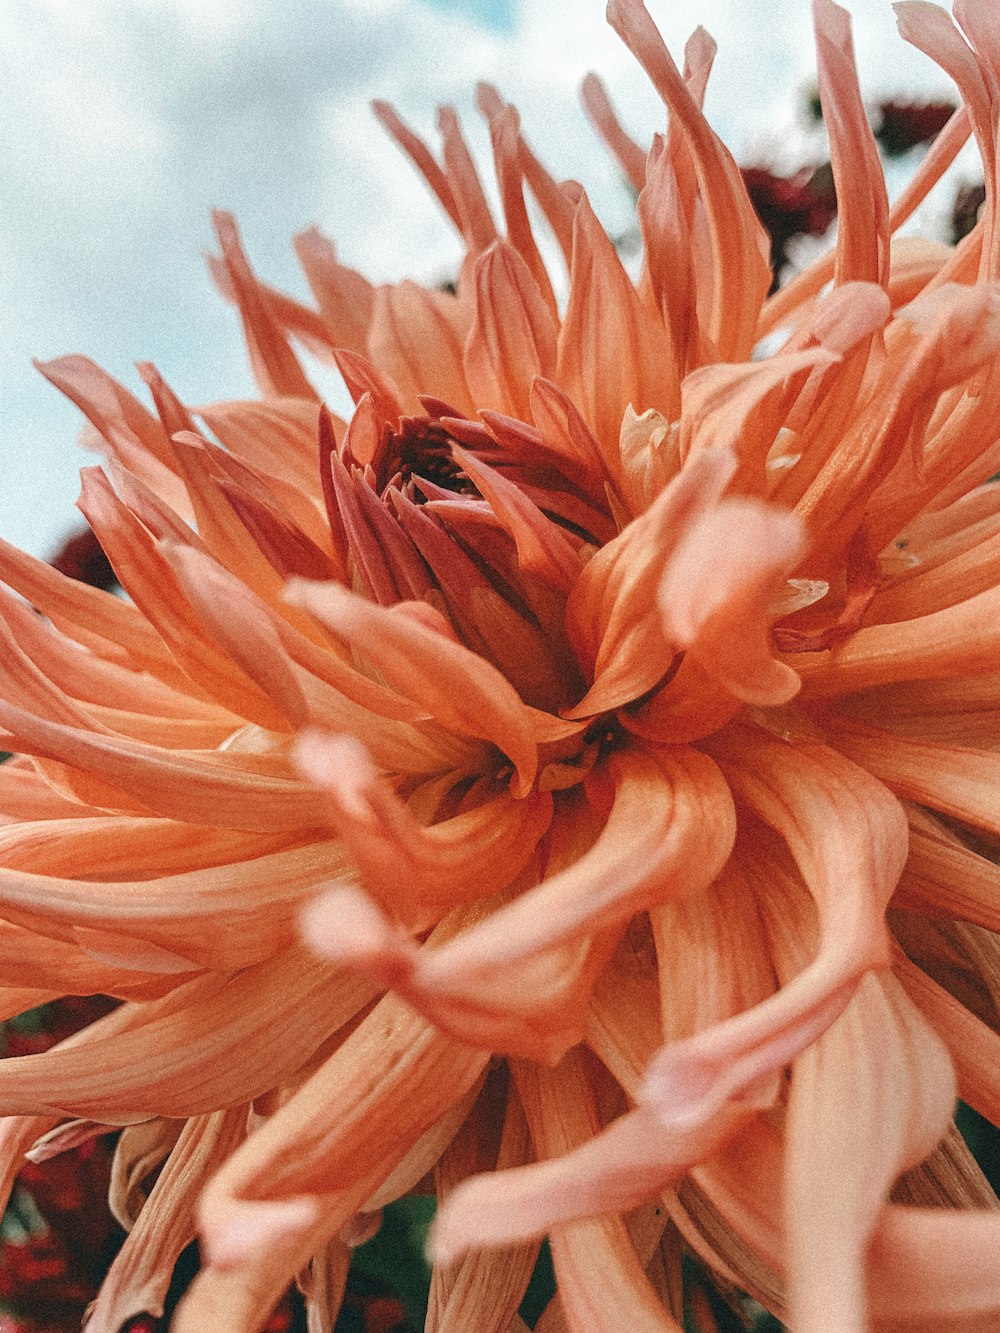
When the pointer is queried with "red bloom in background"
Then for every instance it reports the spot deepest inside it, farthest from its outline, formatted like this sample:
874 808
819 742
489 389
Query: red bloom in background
904 125
82 557
800 205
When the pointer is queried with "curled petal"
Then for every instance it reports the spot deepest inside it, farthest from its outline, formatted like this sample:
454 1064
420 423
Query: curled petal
333 1143
848 835
610 614
632 1162
551 985
598 1271
660 808
410 866
870 1098
456 686
517 981
715 594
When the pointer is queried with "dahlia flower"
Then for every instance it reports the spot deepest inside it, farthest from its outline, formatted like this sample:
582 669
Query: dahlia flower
570 786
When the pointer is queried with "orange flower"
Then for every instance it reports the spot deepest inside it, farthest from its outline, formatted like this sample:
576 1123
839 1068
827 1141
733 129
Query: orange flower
591 701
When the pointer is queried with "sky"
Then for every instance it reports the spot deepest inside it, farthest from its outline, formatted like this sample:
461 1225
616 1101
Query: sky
124 122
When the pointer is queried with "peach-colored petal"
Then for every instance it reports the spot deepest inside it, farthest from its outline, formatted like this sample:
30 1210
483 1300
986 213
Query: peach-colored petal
275 365
611 617
138 1280
149 1064
476 219
944 578
629 155
597 1269
82 676
543 548
611 350
742 407
797 294
420 155
958 780
973 1047
942 875
348 927
126 429
244 908
409 867
34 960
956 640
457 687
248 429
930 29
483 1290
517 980
513 335
17 1134
146 576
716 590
89 616
326 1143
219 525
656 807
509 155
252 792
324 1285
713 958
848 836
631 1162
863 212
870 1098
242 1298
740 276
935 1268
416 338
956 331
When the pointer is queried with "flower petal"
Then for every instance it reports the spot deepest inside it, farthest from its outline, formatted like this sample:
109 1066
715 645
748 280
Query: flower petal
863 209
848 835
140 1275
870 1098
716 591
411 867
456 686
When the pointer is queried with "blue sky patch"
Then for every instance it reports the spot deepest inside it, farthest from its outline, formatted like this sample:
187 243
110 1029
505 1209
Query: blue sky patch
497 14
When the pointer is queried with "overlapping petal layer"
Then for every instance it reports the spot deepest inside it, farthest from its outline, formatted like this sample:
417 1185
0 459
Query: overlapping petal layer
514 782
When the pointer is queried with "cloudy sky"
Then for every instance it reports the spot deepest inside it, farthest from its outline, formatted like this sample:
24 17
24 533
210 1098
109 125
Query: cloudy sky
123 122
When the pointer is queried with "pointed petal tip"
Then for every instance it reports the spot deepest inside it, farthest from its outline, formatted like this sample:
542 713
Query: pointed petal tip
244 1229
317 754
346 926
681 1091
446 1241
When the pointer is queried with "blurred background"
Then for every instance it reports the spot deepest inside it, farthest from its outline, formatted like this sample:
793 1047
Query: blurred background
123 122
